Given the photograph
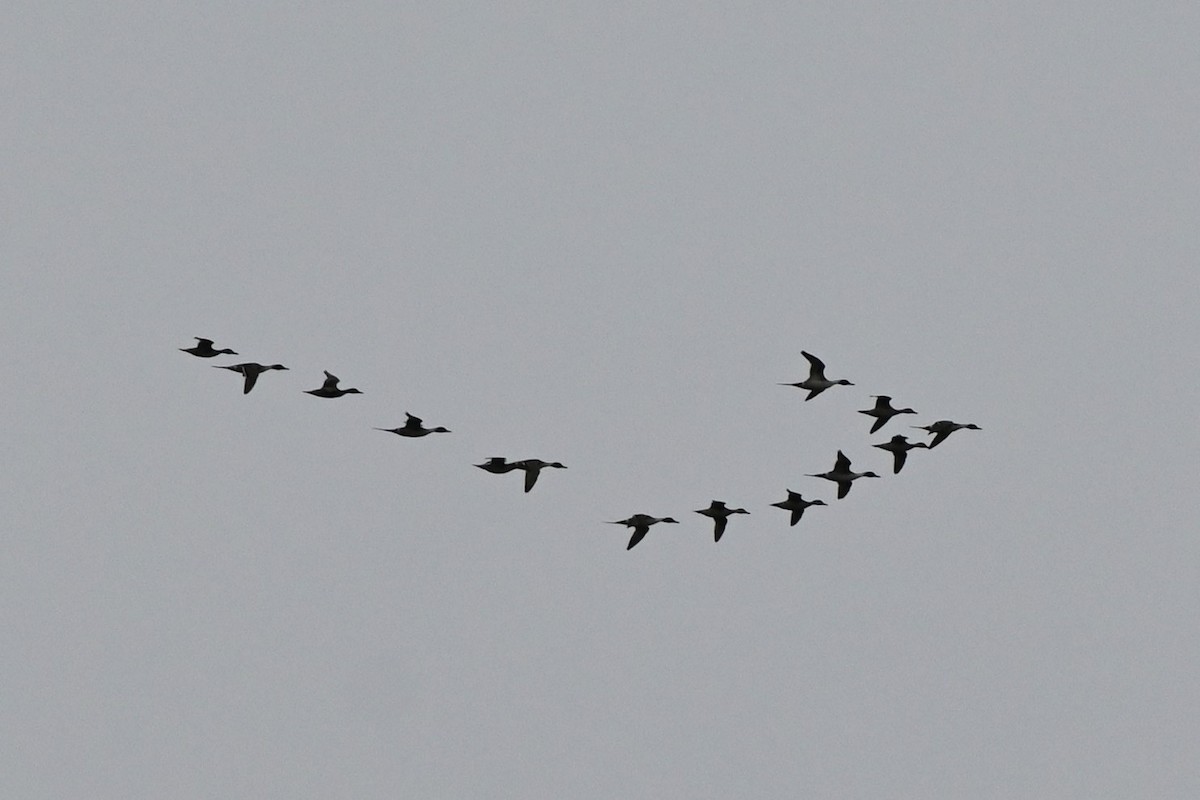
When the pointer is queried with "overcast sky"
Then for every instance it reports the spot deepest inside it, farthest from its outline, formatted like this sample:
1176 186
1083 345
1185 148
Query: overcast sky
599 234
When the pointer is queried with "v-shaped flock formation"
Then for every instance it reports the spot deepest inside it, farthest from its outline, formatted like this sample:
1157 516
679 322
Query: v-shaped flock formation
816 383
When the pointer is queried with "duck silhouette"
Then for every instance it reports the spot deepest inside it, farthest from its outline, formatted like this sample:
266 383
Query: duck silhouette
899 446
796 504
330 388
720 516
413 427
816 382
842 475
943 428
883 411
533 467
204 349
249 371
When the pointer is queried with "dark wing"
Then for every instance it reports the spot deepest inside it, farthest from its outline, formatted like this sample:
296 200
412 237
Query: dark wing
531 476
900 455
331 381
719 528
879 423
251 379
842 464
938 438
203 344
411 422
816 365
797 513
813 393
844 488
639 533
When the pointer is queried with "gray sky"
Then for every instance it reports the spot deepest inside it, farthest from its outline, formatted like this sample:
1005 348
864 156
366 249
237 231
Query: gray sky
599 236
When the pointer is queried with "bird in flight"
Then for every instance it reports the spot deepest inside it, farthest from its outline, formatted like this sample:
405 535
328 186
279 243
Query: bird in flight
330 388
720 516
249 371
413 427
943 428
796 504
842 475
816 382
204 349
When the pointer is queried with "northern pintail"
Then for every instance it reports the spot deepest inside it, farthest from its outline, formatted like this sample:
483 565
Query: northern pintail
796 504
883 411
720 516
412 427
943 428
816 382
533 466
204 349
330 388
641 526
842 475
498 465
250 372
899 446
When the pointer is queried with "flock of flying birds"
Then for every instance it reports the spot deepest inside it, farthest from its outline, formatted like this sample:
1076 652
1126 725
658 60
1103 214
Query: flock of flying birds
640 524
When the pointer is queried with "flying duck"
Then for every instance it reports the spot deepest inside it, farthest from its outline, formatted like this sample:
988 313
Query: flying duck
943 428
842 475
412 427
899 446
204 349
330 388
533 466
816 382
641 526
720 516
796 504
498 465
250 371
883 411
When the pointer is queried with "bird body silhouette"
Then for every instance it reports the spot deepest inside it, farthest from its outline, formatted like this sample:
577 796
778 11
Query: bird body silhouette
816 382
899 446
250 372
842 475
533 467
883 411
413 427
943 428
330 388
204 349
796 504
720 516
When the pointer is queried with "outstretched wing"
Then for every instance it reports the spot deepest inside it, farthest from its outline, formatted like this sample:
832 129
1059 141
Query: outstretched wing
719 528
816 365
639 533
844 488
251 378
331 380
842 464
531 476
939 437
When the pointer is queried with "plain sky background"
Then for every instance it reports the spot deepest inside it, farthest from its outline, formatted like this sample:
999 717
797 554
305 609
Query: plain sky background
600 234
